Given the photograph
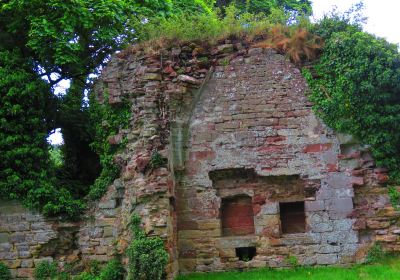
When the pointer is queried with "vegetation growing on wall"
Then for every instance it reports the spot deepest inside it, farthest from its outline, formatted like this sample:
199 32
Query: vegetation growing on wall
112 270
210 27
107 121
147 255
355 87
5 273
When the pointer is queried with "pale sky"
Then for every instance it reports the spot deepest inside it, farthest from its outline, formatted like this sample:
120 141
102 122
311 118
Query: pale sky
383 15
383 21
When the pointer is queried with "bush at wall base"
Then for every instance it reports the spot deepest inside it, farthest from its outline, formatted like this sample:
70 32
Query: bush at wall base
5 273
147 255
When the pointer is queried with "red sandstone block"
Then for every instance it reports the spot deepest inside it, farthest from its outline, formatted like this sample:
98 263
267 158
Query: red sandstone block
202 155
358 172
259 199
332 167
354 155
271 148
360 224
315 148
274 139
358 181
256 209
382 178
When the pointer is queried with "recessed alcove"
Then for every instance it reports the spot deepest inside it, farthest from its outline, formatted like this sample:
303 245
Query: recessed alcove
237 216
293 219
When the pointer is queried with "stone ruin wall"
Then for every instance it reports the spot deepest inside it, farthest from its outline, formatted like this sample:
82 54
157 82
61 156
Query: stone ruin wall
235 125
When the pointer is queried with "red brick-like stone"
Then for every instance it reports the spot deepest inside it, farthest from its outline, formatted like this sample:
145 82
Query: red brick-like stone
274 139
332 167
316 148
202 155
358 181
271 148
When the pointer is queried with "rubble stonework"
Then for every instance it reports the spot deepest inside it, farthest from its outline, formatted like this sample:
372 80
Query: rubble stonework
233 122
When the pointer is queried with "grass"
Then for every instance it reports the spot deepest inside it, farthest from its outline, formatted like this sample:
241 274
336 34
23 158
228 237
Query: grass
384 270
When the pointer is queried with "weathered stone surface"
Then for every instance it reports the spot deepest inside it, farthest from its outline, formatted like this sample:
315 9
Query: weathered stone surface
327 258
4 237
241 128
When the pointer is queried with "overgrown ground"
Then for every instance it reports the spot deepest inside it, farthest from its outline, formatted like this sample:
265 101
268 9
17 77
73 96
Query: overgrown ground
387 269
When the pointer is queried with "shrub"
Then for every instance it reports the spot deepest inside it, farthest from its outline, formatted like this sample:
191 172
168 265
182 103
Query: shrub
112 271
147 255
5 273
293 261
394 196
45 270
210 26
375 254
86 276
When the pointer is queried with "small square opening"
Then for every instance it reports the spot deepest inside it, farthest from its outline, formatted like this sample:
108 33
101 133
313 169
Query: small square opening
293 218
245 253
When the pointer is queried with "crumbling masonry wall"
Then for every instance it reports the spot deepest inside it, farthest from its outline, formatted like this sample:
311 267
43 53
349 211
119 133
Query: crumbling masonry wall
236 127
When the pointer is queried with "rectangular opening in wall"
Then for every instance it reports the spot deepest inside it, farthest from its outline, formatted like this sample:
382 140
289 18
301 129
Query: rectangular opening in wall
245 253
237 216
293 218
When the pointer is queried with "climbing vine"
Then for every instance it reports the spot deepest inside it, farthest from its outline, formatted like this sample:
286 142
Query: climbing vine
107 121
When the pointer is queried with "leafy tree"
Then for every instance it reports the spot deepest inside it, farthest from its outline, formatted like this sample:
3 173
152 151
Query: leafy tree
59 40
25 170
292 7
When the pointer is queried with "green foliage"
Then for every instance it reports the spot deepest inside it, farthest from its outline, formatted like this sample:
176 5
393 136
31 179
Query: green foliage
375 254
394 196
45 271
107 120
147 255
112 271
85 276
210 26
354 87
25 169
156 160
5 273
56 156
293 261
58 40
291 7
